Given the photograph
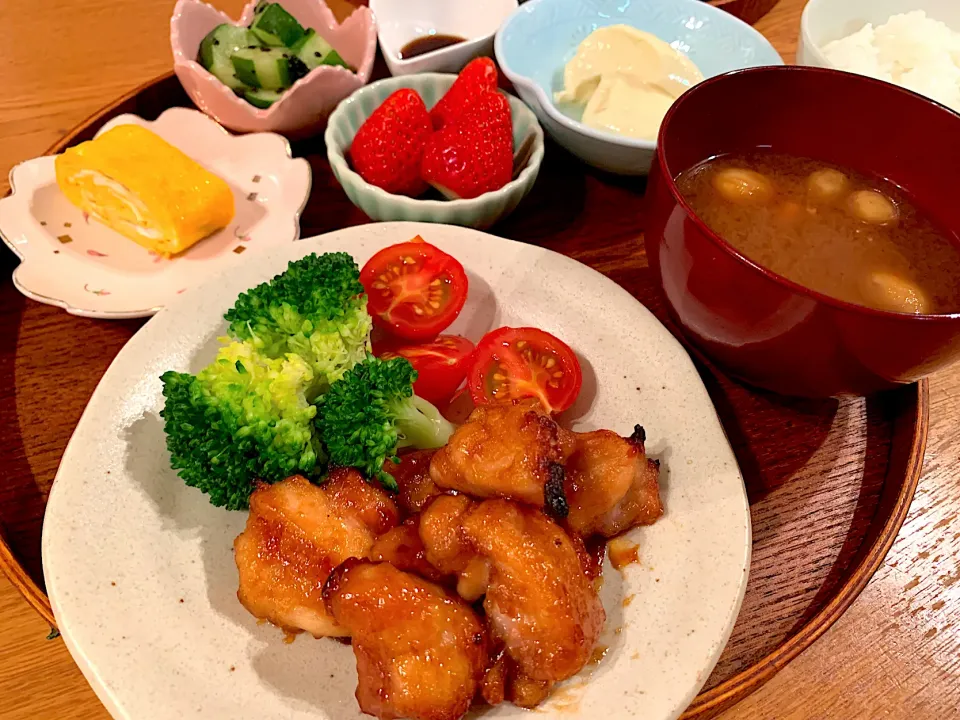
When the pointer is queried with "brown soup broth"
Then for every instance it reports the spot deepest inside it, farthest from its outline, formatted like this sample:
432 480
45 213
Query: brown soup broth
827 241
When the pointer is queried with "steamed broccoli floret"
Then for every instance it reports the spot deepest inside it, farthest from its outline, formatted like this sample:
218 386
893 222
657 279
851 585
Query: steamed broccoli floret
315 309
242 418
371 411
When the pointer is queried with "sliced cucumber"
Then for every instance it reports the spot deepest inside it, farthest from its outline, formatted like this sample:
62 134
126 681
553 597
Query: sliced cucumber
217 47
275 26
261 67
333 58
304 39
315 51
262 98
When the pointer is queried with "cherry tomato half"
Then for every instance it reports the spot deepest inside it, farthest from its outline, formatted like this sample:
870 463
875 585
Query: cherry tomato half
513 363
415 290
441 366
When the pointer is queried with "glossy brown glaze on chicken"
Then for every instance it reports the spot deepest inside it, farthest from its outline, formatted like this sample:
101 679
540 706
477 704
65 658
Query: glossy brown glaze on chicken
416 488
486 592
296 534
421 652
610 484
402 548
539 602
507 450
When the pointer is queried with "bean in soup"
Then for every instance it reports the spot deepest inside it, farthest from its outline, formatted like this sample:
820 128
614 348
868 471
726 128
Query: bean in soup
831 229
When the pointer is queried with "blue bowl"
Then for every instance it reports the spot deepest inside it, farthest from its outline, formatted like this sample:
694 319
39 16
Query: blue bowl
537 41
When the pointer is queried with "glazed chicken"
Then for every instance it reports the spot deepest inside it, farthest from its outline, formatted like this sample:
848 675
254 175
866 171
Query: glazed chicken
610 485
513 512
601 483
440 530
503 681
296 534
402 548
510 450
541 606
447 548
539 602
416 488
421 653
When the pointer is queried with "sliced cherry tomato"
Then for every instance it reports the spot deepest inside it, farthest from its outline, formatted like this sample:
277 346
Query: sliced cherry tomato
415 290
513 363
441 366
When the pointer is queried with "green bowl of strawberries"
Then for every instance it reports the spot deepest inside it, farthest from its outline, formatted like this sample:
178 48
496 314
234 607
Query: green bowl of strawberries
436 148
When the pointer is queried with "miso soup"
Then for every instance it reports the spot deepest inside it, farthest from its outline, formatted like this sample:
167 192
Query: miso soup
831 229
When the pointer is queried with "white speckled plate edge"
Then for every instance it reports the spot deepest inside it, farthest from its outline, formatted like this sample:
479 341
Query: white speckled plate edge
139 567
87 269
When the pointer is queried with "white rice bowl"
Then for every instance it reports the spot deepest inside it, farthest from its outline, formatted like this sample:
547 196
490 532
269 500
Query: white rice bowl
910 50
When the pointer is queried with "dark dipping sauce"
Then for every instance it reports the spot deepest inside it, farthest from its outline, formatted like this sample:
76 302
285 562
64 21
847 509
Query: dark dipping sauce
828 228
428 43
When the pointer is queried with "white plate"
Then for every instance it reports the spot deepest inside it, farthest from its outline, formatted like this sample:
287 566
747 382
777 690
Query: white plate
88 269
140 567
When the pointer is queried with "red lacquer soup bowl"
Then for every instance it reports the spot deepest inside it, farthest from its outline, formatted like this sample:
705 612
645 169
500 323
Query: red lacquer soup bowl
755 324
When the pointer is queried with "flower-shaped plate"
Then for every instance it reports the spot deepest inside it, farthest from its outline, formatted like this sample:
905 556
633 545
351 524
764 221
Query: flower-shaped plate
79 264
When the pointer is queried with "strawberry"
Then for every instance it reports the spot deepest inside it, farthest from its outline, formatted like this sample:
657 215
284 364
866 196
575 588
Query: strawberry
473 155
387 148
479 75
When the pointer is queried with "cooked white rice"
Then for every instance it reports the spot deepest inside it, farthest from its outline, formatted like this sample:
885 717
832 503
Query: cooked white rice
910 50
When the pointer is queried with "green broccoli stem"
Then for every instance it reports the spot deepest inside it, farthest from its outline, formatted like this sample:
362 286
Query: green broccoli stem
420 424
371 411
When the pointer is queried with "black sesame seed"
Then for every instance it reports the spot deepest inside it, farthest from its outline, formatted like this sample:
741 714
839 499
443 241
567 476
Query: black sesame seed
216 42
317 54
296 68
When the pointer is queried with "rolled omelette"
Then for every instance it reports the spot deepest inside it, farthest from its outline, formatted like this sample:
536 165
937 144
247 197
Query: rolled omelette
141 186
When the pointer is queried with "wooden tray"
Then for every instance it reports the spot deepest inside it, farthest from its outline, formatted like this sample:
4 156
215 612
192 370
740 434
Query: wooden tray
829 481
747 10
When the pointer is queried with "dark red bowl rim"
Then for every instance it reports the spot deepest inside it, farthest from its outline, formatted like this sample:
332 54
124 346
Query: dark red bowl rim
669 178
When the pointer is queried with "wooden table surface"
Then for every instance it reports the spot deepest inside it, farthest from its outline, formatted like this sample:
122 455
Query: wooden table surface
895 654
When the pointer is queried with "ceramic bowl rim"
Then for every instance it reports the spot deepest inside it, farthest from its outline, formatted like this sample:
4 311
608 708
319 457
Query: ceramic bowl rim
439 53
668 178
806 38
554 113
337 155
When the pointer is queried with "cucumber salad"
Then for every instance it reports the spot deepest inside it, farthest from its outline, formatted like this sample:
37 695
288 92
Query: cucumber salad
259 62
